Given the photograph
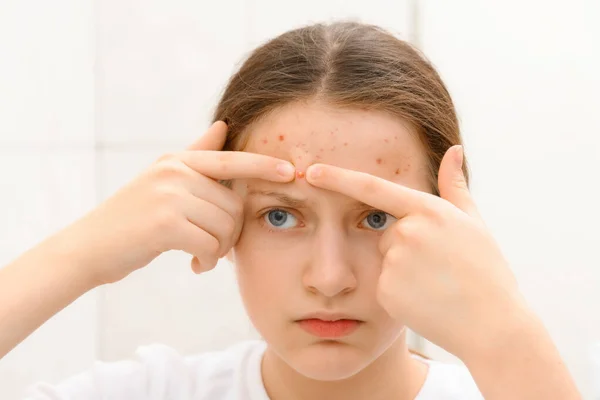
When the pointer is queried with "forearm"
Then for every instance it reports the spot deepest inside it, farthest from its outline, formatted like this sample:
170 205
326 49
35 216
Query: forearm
523 364
36 286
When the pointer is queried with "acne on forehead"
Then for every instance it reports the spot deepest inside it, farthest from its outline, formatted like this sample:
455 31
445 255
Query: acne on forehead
300 151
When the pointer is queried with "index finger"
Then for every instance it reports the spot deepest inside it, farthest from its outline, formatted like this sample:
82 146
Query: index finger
225 165
379 193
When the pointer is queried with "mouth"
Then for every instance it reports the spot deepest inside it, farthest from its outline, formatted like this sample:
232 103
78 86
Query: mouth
329 326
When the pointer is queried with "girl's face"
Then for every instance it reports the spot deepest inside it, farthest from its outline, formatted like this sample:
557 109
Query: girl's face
308 253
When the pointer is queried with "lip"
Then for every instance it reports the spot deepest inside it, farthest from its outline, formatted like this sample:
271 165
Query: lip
328 316
329 325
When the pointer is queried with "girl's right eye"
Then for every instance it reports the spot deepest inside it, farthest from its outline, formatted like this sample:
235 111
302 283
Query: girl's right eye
280 219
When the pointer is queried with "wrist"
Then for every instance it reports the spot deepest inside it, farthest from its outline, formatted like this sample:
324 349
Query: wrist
504 337
521 362
72 258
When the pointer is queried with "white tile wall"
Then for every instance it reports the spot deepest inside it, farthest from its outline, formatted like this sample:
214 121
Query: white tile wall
161 66
46 72
268 18
41 191
526 91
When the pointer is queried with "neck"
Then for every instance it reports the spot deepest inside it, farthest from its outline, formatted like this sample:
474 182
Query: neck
394 375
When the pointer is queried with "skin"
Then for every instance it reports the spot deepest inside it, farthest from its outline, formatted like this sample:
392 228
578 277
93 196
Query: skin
327 260
436 254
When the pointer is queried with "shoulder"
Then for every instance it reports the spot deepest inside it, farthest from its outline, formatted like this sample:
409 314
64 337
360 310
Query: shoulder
160 372
448 382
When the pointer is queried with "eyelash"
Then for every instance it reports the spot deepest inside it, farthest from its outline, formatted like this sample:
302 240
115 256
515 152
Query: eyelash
262 215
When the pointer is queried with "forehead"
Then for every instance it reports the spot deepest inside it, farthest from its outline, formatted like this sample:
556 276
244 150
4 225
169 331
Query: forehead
361 140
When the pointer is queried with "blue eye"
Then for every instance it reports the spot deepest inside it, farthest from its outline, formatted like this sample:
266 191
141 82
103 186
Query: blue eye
279 218
378 220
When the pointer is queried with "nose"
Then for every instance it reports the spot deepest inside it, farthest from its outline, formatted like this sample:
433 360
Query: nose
330 271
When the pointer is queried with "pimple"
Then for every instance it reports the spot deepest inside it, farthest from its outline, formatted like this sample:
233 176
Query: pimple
385 140
397 171
345 143
281 138
318 157
299 174
379 161
321 150
265 141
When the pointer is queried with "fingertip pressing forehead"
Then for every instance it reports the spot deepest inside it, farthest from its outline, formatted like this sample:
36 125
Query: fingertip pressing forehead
367 141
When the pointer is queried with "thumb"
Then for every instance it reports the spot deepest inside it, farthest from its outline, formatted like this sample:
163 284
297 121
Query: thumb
213 138
452 183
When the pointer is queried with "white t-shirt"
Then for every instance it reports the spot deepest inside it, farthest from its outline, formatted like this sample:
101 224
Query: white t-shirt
160 373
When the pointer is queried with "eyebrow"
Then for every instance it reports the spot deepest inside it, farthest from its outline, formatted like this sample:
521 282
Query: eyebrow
293 202
281 197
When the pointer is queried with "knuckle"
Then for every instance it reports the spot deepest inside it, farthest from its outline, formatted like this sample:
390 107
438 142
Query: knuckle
238 207
166 196
167 157
393 257
229 226
212 246
224 158
369 186
166 220
409 231
170 169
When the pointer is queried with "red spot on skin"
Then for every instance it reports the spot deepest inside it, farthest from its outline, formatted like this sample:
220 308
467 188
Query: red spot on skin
333 148
396 137
300 174
265 141
299 157
345 143
398 171
379 161
281 137
318 157
385 140
320 149
331 132
407 168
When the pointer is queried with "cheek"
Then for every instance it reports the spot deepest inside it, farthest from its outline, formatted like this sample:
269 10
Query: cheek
267 266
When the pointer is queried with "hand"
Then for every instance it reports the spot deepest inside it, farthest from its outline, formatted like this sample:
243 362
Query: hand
176 204
442 274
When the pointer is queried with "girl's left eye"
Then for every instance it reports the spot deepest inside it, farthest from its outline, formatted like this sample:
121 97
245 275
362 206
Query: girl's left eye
280 219
378 220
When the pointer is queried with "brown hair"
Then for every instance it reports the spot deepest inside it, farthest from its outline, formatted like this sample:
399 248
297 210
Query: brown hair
345 64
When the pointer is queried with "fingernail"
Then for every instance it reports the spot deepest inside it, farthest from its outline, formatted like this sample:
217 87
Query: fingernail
314 172
286 170
459 157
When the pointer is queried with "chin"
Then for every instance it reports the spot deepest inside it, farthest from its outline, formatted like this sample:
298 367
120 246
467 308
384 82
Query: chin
329 360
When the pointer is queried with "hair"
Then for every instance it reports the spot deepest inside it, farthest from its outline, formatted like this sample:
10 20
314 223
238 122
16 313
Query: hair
349 65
